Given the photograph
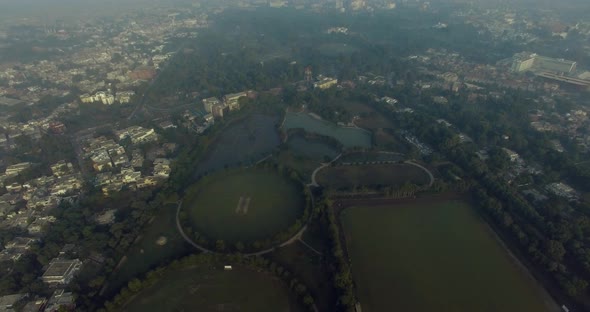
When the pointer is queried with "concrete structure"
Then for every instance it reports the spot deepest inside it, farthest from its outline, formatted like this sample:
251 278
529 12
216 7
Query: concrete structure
232 101
105 97
4 101
218 110
61 298
8 303
14 170
209 103
325 82
35 305
137 134
124 96
62 168
562 190
61 272
532 62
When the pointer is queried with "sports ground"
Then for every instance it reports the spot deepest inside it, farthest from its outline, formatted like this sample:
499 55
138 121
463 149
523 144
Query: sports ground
435 256
213 289
243 204
371 175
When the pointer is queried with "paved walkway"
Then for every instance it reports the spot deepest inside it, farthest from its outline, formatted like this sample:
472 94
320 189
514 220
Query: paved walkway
409 162
322 166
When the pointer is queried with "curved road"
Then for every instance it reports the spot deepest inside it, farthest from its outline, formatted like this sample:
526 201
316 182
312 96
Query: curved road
409 162
181 231
324 165
291 240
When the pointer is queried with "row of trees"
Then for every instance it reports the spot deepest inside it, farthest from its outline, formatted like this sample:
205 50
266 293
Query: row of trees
556 242
339 265
213 261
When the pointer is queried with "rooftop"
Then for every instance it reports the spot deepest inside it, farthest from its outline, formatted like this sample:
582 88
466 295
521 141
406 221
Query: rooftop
59 268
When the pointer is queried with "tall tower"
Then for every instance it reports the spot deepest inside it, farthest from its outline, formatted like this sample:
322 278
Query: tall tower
308 75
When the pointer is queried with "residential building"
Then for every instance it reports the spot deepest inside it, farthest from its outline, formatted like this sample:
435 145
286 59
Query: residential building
217 110
62 168
162 168
209 103
124 96
16 248
59 299
16 169
9 302
107 217
137 134
562 190
35 305
61 272
232 101
325 82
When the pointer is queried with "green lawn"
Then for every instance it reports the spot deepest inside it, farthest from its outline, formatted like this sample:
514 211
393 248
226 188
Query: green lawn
346 176
273 204
213 289
145 254
433 257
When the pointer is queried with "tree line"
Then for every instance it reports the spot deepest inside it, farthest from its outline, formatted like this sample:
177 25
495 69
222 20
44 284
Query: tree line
215 261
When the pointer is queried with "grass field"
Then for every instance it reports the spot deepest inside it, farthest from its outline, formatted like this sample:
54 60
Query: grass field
212 289
433 257
145 254
371 175
244 204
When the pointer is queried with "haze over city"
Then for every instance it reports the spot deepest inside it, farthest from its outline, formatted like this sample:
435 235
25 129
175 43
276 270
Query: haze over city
294 155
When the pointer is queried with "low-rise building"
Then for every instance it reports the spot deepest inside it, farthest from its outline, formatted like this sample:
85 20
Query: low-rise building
16 248
10 302
61 299
232 101
16 169
137 158
147 182
137 134
35 305
107 217
61 272
441 100
162 168
124 96
62 168
562 190
325 82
